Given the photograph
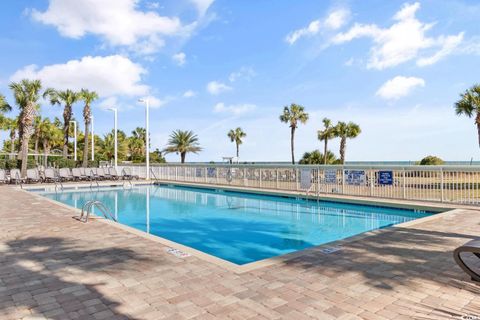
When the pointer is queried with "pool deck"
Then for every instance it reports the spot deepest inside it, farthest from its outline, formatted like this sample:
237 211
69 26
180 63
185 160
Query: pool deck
55 267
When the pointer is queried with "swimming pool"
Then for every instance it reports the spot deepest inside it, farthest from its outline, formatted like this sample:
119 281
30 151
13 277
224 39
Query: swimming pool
236 226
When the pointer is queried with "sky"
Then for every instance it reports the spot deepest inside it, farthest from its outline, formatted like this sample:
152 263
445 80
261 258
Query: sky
396 68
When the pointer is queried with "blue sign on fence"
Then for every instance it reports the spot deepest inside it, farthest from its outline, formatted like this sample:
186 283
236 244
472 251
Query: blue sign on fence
355 177
211 172
330 176
385 177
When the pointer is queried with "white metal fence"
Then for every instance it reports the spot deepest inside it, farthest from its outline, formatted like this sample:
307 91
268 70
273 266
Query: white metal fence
455 184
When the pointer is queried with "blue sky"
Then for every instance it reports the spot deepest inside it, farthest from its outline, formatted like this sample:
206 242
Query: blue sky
394 67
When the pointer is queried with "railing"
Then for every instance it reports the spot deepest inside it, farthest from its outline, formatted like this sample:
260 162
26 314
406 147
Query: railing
454 184
88 207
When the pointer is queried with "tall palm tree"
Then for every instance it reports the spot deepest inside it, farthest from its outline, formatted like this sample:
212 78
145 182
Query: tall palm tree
326 134
469 105
68 98
136 144
183 142
293 115
88 97
236 136
346 131
50 135
26 93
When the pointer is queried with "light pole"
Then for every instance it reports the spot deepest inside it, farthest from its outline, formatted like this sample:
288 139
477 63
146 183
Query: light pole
93 138
74 140
147 142
115 134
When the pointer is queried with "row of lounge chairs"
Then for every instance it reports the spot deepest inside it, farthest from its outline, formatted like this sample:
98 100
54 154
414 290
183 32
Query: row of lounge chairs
65 174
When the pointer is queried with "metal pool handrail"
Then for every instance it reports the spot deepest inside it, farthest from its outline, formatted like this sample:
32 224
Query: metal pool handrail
95 203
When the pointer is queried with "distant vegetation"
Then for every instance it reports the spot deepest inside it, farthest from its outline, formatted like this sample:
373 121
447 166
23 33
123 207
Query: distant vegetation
431 161
316 157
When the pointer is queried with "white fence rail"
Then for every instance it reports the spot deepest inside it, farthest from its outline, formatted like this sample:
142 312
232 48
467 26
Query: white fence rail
426 183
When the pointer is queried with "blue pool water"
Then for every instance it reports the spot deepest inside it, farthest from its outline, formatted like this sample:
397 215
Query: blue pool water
237 227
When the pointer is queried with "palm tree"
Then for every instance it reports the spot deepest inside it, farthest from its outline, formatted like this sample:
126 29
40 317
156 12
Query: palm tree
50 135
326 134
136 144
346 131
88 97
469 105
316 157
68 98
183 142
293 115
26 93
108 145
236 136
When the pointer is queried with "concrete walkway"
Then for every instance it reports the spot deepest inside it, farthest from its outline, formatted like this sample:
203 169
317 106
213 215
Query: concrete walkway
54 267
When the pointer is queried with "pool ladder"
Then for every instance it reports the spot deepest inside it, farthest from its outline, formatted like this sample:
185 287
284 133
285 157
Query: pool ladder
87 208
317 193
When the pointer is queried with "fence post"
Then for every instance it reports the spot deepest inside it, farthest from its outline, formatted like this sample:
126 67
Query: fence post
372 181
441 185
343 180
260 179
404 182
276 175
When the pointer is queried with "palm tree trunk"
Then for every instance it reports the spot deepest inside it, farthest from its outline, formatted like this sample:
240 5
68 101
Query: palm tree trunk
65 141
182 156
237 150
26 117
36 149
343 146
325 148
292 143
12 145
85 144
67 115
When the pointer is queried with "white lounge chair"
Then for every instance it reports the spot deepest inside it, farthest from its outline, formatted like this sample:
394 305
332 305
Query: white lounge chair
114 174
3 176
78 175
65 174
51 175
102 174
33 176
15 176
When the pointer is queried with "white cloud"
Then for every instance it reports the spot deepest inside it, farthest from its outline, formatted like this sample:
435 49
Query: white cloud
117 22
402 41
202 5
180 58
155 102
246 73
189 94
215 87
399 87
108 76
235 110
333 21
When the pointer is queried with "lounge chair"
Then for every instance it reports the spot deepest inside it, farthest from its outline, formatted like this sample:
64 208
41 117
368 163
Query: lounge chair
472 247
78 175
33 176
114 174
127 174
65 174
51 175
3 176
91 173
15 176
102 173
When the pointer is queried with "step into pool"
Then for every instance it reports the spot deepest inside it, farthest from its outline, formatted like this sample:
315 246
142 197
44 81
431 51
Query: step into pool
236 226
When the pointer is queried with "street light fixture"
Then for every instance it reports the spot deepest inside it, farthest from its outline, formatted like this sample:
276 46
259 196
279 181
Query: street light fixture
115 135
74 140
147 142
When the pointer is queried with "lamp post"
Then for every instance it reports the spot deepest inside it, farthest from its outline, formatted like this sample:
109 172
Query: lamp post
115 135
93 138
147 142
74 140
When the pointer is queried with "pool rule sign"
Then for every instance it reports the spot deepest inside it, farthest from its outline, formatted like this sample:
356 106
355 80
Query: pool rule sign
385 178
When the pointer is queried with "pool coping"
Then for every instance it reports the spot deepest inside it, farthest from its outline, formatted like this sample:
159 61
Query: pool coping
277 260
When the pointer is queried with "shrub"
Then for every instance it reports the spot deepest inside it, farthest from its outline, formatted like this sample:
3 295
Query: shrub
12 164
64 163
431 161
